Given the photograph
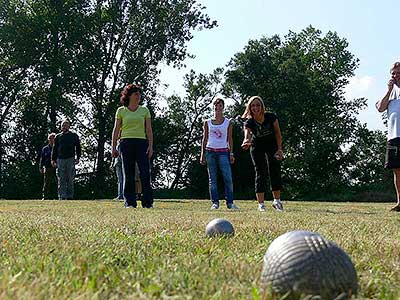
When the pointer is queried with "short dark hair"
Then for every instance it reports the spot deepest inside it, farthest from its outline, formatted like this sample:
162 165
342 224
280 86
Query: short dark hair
128 91
218 100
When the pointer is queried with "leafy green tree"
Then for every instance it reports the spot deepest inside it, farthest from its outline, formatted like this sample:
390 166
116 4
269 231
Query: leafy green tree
179 128
79 54
302 78
126 41
365 160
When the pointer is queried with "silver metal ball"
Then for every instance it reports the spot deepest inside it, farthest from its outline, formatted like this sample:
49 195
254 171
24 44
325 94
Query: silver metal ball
219 227
304 263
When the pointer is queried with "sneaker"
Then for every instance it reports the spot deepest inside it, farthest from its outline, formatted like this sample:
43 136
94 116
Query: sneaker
233 206
214 206
261 206
277 204
130 206
396 208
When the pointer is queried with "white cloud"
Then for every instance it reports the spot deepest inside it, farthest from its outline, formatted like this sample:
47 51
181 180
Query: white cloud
359 86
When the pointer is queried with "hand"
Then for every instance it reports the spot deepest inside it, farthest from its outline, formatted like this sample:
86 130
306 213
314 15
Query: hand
149 151
54 163
202 160
391 83
279 155
246 145
115 153
232 159
77 161
41 170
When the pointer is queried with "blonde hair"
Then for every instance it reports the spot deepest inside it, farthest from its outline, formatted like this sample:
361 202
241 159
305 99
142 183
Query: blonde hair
395 65
247 113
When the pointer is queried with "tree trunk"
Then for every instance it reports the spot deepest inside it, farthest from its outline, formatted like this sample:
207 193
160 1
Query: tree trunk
100 166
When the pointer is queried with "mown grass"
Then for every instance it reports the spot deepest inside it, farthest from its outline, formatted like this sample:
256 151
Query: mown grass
99 250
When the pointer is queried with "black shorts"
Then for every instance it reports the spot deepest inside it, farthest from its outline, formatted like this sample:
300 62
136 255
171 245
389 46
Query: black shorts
392 160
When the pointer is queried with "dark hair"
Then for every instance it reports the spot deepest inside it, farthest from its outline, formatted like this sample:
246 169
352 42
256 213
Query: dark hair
218 100
128 91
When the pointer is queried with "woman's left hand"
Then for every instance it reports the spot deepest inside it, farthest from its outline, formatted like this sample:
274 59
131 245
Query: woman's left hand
232 159
149 151
279 155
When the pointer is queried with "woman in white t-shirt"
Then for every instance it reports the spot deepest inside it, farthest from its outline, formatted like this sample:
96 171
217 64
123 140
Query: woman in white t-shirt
216 151
391 103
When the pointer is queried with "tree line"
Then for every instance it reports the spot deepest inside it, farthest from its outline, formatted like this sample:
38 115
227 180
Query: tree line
70 59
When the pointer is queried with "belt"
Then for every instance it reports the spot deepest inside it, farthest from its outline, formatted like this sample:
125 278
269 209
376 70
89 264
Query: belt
217 149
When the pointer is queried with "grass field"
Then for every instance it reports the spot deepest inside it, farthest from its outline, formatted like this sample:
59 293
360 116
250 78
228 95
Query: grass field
99 250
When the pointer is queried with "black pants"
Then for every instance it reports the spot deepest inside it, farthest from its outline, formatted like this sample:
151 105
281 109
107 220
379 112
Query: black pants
134 151
264 162
50 184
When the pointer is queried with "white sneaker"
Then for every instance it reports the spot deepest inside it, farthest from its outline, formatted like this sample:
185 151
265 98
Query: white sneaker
214 206
233 206
277 204
261 206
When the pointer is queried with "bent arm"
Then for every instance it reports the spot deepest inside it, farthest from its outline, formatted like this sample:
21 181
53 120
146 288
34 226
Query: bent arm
383 104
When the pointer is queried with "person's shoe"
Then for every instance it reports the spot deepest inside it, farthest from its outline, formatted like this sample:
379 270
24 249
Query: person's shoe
214 206
130 206
261 207
396 208
233 206
277 204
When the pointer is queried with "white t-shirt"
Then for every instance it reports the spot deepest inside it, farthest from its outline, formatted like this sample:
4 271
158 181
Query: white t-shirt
393 113
218 135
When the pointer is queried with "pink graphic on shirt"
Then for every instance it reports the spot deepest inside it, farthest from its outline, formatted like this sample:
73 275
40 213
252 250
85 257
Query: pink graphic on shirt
217 133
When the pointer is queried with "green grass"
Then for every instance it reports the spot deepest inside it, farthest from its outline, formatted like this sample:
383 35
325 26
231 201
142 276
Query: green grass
99 250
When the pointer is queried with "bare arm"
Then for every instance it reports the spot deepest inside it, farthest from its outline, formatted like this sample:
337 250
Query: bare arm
247 138
149 135
230 143
204 143
115 136
383 104
278 137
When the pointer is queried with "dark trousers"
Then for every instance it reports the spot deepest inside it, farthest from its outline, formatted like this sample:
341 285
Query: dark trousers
134 151
264 162
49 183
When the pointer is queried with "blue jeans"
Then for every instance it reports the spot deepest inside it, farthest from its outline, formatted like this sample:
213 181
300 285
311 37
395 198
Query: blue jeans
120 177
65 174
219 160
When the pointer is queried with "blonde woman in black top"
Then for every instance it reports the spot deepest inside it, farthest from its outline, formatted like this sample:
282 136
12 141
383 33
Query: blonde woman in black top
262 136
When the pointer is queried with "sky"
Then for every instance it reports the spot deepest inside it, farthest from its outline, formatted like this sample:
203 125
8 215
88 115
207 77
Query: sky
371 28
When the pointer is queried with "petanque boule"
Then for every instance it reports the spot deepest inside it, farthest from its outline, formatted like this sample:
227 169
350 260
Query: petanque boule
304 264
219 227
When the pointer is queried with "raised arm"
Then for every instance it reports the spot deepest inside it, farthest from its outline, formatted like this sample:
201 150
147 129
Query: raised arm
383 104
